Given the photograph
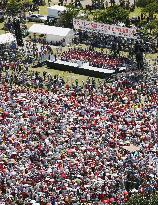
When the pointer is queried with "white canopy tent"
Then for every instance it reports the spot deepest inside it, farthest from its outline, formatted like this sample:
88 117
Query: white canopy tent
7 38
53 34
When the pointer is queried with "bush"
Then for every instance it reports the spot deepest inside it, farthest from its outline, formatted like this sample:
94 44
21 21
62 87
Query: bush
143 200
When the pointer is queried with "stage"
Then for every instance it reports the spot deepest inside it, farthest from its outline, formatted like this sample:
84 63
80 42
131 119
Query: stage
81 68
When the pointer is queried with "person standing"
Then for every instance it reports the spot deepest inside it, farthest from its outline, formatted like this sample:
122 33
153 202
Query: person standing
49 1
53 201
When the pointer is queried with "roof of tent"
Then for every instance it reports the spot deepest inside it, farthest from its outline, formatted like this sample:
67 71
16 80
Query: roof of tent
51 30
7 38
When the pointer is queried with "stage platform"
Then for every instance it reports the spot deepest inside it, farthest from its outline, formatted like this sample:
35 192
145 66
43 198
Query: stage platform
80 68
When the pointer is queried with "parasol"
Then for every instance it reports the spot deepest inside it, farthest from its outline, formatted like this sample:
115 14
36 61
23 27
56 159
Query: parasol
131 148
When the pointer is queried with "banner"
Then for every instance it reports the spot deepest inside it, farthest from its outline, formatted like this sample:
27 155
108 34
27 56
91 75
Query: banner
104 28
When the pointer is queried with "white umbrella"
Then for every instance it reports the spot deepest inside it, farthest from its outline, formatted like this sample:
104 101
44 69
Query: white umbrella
34 202
131 148
134 191
79 176
13 173
78 143
26 185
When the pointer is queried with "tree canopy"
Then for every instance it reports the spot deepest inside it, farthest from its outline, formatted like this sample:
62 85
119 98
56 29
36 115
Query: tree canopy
14 6
152 27
151 9
113 14
66 18
143 200
144 3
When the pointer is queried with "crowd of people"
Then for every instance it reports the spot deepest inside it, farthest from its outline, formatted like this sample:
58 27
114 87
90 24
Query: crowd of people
101 40
66 145
94 58
31 52
42 40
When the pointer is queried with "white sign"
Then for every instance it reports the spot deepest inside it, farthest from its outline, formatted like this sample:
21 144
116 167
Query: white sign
104 28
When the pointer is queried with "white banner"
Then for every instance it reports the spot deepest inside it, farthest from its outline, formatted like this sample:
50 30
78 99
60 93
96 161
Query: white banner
104 28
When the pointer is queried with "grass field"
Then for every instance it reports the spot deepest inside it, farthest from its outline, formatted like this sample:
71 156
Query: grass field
29 24
135 13
43 10
67 76
1 28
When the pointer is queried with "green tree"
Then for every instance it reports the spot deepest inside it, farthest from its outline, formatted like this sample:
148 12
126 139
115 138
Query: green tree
15 6
152 27
151 9
138 199
113 14
144 3
66 18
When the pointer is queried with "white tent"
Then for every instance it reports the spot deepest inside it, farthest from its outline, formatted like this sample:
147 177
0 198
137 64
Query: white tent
7 38
53 34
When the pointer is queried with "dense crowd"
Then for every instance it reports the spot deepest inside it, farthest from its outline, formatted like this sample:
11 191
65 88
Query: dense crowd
94 58
30 53
75 144
101 40
66 145
44 42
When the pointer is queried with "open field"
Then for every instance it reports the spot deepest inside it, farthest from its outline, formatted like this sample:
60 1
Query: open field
67 76
1 28
135 13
